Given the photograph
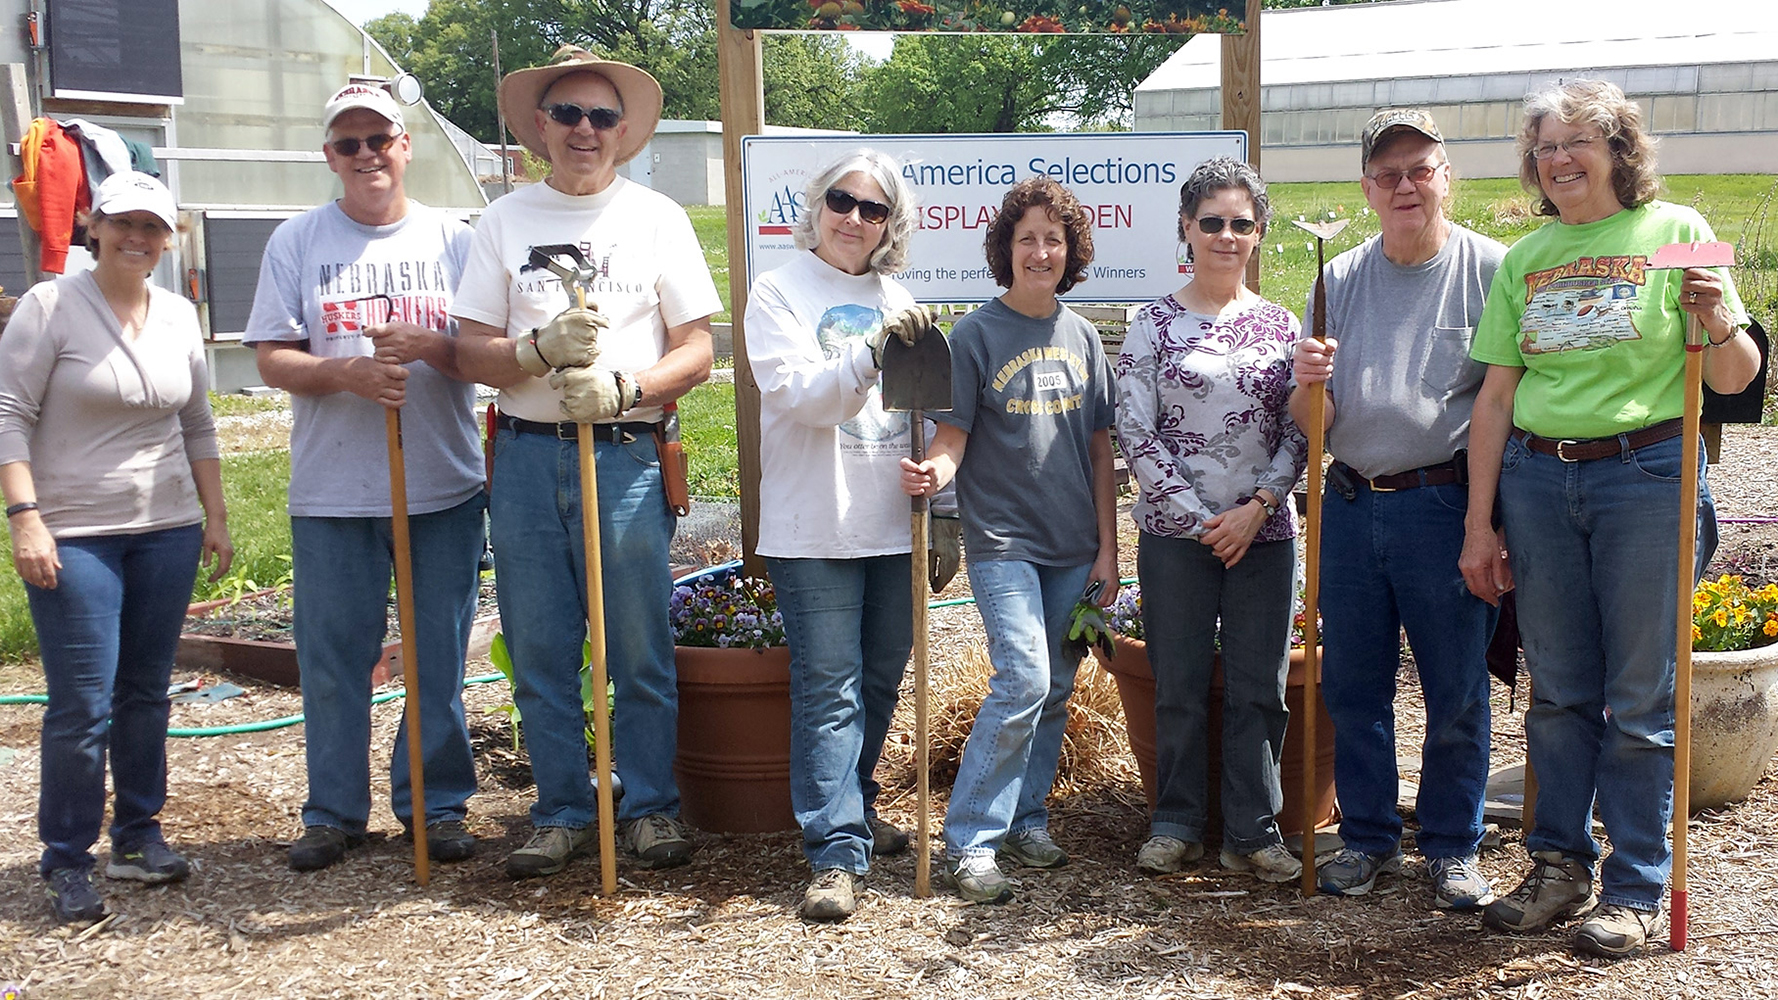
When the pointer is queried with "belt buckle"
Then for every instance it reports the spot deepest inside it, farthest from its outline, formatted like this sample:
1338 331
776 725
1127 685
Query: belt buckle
560 437
1375 488
1563 455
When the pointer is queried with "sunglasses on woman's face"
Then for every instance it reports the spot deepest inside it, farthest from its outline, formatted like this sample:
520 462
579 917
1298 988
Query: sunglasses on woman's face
841 203
1212 224
377 143
571 114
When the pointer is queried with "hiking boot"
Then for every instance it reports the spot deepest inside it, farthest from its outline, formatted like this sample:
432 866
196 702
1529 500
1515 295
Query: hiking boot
830 896
320 846
549 850
1163 855
1354 873
1614 930
152 862
657 841
1457 884
1271 863
885 837
1556 888
1033 848
978 879
72 896
449 840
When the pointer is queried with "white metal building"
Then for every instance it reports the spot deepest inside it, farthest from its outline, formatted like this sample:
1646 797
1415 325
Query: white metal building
1705 71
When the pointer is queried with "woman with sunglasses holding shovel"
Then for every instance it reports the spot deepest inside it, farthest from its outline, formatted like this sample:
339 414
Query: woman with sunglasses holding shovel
1028 439
832 526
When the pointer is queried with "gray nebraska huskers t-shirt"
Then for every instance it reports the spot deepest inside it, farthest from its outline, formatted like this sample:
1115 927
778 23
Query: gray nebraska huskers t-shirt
315 283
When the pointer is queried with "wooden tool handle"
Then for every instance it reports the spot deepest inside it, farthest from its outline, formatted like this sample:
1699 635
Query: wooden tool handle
410 640
595 613
1682 646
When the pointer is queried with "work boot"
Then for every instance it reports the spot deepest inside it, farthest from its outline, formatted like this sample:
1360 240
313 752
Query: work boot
1457 884
657 841
320 846
549 850
977 879
1271 863
885 837
1556 888
1354 873
1033 848
72 896
831 896
449 840
1614 930
1163 855
152 862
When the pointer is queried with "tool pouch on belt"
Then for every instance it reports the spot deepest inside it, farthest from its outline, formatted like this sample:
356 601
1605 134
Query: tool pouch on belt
674 463
488 423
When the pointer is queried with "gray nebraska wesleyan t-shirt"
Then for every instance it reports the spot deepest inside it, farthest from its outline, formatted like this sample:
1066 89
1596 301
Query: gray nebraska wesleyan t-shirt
1403 382
315 283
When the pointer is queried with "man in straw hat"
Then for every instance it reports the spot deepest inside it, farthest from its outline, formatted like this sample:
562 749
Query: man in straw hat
1401 309
647 324
351 317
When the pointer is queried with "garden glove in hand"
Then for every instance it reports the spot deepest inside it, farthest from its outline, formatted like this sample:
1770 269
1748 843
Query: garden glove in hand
1087 627
907 325
946 550
592 395
571 340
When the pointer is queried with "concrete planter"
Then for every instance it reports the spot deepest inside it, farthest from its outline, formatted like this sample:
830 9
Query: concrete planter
1734 723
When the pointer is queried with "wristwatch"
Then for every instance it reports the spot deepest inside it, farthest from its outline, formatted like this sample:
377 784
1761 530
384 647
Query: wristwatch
1271 507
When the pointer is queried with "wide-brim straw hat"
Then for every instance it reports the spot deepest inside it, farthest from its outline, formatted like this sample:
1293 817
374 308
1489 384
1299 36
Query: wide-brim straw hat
523 89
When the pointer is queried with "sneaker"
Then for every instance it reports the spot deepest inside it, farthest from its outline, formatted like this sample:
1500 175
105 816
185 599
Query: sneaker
658 841
1457 884
1162 855
885 837
152 862
1354 873
1556 888
72 896
1034 849
1614 930
449 840
549 850
830 896
320 846
978 879
1271 863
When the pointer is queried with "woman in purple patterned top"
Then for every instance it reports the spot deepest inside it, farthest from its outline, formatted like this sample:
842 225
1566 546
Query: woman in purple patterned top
1203 422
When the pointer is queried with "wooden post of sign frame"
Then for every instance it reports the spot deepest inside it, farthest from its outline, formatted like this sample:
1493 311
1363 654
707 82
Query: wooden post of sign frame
1240 99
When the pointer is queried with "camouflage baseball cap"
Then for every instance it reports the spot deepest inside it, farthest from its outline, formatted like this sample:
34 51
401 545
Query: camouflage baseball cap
1389 119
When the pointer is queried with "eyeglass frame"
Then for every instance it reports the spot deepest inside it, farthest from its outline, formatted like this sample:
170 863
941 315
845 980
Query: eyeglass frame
389 139
1210 225
1579 144
843 202
1383 178
611 117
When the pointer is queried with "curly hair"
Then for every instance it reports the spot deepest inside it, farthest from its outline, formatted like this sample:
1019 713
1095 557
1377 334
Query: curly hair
1061 206
891 255
1223 173
1619 120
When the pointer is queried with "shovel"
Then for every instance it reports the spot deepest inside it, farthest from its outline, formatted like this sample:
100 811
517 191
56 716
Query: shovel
1684 255
917 379
1316 433
580 279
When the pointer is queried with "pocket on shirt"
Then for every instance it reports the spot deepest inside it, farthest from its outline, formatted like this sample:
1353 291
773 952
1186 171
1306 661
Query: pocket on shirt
1448 365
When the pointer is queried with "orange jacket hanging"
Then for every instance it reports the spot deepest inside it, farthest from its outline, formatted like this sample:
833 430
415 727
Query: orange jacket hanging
51 189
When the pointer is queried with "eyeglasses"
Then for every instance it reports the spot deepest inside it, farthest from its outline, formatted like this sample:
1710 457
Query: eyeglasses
841 203
377 143
1212 224
571 114
1389 180
1573 147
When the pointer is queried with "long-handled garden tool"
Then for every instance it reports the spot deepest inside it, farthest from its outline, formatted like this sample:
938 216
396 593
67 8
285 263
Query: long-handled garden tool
580 279
1316 432
1684 255
917 378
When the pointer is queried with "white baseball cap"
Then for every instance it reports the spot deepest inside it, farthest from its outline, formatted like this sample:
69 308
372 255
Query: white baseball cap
131 191
361 95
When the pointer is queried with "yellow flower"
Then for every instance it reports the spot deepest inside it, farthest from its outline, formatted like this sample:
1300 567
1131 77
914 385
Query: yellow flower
1697 633
1771 626
1721 618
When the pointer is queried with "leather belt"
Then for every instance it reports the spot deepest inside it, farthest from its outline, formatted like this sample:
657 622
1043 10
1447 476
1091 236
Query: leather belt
1442 474
568 431
1590 449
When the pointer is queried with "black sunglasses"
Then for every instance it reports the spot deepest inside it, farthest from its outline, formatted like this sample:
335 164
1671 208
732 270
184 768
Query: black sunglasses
377 143
1212 224
571 114
840 203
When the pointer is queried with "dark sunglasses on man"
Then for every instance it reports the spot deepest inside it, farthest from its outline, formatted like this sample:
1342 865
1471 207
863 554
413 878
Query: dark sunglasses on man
569 115
840 203
1212 224
377 143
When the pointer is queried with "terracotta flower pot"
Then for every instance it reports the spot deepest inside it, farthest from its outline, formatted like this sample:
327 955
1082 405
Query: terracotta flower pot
1135 687
733 765
1734 723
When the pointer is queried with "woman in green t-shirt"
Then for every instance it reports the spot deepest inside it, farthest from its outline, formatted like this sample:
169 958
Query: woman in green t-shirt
1577 429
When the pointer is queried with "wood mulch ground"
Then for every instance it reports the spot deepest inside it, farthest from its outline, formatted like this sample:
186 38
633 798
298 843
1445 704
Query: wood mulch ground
246 926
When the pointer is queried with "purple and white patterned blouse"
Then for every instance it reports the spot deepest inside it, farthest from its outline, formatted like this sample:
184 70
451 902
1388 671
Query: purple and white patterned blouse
1203 418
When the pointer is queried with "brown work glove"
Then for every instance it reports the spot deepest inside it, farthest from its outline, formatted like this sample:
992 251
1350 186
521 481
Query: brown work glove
907 325
593 395
571 340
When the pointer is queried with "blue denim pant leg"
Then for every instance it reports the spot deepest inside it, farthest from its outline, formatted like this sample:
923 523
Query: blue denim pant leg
541 581
1594 558
107 633
849 626
1009 761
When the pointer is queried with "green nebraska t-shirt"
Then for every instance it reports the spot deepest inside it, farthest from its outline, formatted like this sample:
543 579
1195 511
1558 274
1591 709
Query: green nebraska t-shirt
1601 336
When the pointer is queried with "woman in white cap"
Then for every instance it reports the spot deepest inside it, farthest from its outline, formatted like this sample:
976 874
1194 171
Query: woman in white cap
113 488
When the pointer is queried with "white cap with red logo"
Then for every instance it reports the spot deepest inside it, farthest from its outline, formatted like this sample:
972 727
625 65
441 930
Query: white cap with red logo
361 95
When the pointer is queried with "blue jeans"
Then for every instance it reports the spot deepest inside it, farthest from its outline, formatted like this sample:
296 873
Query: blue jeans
849 622
1594 554
1186 591
1389 562
343 566
107 634
1009 761
540 573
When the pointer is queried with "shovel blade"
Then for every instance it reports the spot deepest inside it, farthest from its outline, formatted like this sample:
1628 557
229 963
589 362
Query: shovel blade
1322 230
917 377
1684 255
